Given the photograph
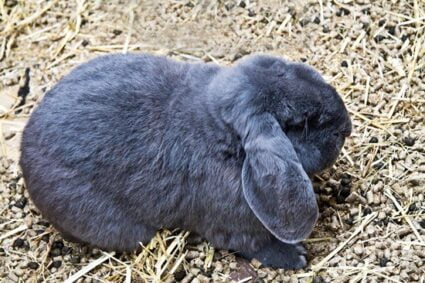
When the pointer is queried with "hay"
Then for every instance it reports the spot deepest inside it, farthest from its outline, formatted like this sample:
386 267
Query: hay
372 201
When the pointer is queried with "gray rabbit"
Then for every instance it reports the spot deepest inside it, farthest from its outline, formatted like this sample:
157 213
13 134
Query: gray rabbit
125 145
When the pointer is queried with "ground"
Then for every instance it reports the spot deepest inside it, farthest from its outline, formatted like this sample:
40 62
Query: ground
372 221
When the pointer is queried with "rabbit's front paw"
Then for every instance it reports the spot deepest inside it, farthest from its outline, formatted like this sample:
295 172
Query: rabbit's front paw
280 255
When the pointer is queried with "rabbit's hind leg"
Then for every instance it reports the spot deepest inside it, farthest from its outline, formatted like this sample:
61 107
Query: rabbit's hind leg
277 254
118 234
125 237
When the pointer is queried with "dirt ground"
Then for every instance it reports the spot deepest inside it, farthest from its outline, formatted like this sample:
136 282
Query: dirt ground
372 222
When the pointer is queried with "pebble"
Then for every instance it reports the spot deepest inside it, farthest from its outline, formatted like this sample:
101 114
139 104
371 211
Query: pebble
195 271
18 243
370 197
350 61
198 262
233 265
55 252
218 266
56 264
358 250
33 265
203 278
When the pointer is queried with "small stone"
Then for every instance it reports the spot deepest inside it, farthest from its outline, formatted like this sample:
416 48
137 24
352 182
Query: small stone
256 263
409 141
179 275
45 238
117 32
58 245
55 252
379 38
198 262
18 243
20 203
367 211
382 215
343 193
304 22
33 265
219 267
56 264
358 250
19 272
378 165
383 261
412 207
203 278
373 140
195 271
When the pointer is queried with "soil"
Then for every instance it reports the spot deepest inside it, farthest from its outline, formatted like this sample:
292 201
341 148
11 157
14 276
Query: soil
372 221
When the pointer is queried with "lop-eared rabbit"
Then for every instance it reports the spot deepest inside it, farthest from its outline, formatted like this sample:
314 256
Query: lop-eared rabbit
125 145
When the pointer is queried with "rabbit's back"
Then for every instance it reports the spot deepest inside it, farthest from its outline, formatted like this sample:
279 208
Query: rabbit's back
100 116
115 143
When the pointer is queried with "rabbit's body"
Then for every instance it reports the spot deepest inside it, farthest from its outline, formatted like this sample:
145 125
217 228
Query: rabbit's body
128 144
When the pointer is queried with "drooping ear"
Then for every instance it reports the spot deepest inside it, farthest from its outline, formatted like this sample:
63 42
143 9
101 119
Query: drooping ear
275 185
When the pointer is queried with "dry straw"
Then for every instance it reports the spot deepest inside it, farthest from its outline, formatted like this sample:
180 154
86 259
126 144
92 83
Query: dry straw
382 82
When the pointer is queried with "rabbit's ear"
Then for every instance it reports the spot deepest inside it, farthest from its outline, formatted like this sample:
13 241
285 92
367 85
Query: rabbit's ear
275 185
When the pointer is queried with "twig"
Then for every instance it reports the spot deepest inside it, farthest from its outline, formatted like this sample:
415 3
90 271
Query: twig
89 267
405 216
400 95
366 221
13 232
130 26
16 26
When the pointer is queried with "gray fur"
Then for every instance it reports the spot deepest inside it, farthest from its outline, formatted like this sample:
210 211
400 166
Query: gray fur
127 144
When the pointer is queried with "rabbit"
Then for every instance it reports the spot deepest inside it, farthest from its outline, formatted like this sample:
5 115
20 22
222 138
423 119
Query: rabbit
127 144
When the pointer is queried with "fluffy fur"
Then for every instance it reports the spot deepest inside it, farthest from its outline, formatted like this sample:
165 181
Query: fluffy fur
127 144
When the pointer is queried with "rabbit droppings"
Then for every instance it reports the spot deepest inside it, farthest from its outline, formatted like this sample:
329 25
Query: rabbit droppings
125 145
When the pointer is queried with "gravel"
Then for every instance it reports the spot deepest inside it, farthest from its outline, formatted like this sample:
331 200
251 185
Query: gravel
373 52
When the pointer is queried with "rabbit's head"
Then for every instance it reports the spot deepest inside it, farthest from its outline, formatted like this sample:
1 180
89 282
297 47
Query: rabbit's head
309 111
291 124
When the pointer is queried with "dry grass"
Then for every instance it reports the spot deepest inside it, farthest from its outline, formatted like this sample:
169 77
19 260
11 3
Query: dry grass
373 52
